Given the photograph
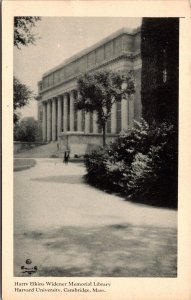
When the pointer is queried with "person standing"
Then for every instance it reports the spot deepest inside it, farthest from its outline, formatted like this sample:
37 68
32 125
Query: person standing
58 146
66 156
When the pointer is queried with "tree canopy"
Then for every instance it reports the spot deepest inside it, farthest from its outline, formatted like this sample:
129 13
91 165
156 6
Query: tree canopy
23 34
98 91
21 97
27 130
160 62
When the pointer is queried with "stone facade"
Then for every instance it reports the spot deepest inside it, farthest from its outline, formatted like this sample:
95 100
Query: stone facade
58 88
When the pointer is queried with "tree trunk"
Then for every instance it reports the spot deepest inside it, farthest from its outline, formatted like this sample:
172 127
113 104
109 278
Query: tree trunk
104 139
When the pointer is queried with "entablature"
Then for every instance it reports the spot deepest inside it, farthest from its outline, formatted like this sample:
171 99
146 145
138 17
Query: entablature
120 45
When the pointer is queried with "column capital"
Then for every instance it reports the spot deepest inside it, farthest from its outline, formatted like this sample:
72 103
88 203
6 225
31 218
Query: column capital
59 96
44 101
73 92
65 94
49 100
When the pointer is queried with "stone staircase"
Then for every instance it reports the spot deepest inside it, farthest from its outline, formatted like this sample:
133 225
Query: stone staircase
46 151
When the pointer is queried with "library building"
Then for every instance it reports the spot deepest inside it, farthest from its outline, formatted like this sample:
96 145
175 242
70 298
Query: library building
61 122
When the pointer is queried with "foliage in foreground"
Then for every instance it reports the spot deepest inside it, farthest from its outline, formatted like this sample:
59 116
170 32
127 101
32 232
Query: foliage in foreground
23 34
141 164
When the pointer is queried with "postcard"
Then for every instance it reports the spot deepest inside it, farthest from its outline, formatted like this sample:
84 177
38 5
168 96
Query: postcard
96 150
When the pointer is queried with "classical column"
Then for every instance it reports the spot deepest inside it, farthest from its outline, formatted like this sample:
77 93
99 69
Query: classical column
124 114
79 118
95 124
49 137
65 115
53 119
131 110
114 118
72 111
59 116
87 122
44 122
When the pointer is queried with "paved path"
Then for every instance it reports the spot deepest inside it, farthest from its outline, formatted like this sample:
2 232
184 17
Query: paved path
68 228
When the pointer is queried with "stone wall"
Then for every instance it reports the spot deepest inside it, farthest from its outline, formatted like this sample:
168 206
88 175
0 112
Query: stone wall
80 143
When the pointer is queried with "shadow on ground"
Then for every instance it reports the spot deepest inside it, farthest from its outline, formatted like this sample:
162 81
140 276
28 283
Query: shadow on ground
23 164
71 179
120 250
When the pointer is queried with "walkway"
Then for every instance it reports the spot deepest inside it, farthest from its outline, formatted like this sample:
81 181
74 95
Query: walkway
68 228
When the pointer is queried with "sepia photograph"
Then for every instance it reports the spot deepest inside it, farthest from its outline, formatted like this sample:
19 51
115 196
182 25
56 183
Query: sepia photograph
95 147
96 150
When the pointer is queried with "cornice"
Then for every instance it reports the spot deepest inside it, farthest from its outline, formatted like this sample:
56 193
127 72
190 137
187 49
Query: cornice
86 51
123 55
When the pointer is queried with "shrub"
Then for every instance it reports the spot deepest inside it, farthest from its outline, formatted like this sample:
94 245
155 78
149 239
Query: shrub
96 166
141 164
152 176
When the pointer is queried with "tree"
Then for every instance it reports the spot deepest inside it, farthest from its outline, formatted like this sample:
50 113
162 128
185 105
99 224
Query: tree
23 36
22 95
159 92
23 31
160 60
27 130
98 91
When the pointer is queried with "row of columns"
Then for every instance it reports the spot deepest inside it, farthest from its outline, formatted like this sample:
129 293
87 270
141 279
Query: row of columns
59 116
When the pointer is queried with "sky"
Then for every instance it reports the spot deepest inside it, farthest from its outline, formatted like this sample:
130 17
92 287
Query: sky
58 38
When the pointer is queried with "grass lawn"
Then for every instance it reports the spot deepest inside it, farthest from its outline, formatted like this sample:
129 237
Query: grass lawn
111 251
23 164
